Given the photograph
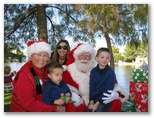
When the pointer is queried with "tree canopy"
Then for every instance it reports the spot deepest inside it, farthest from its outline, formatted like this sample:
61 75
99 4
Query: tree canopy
135 48
117 23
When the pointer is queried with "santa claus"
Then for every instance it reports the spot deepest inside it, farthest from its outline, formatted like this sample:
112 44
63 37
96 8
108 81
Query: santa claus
80 62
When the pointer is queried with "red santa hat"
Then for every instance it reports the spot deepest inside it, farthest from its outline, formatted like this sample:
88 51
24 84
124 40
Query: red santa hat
77 50
38 46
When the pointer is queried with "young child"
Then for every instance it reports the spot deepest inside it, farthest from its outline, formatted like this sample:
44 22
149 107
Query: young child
8 78
102 79
55 88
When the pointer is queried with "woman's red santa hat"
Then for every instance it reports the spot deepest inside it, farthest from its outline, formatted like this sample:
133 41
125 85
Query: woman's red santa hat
38 46
77 50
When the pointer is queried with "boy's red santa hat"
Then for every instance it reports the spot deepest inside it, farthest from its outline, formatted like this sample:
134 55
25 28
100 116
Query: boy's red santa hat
77 50
38 46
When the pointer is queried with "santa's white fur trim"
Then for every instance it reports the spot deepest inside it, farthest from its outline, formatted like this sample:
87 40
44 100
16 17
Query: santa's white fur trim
72 88
118 88
82 79
82 48
64 67
39 47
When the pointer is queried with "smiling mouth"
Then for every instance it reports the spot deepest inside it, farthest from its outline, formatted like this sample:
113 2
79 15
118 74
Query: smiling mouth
40 62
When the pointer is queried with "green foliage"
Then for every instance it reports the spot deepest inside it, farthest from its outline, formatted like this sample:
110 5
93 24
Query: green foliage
129 106
136 48
118 23
122 22
117 55
80 21
9 55
18 22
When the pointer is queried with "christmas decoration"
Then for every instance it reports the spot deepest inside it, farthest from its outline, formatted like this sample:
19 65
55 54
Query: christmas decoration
139 94
38 46
129 106
139 75
67 99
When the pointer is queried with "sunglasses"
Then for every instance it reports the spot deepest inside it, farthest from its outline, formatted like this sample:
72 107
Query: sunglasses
64 47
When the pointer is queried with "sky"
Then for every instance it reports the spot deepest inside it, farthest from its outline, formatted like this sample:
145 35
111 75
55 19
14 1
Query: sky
51 115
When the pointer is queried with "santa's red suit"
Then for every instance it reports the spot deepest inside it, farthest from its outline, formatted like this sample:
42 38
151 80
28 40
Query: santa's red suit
77 77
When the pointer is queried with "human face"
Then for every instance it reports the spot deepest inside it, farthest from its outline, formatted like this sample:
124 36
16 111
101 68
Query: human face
40 59
103 59
84 62
62 51
84 57
56 75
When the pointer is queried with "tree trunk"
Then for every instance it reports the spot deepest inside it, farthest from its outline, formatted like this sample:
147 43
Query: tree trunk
41 22
109 46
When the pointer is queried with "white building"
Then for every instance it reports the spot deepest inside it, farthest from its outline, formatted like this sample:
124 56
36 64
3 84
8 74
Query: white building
141 59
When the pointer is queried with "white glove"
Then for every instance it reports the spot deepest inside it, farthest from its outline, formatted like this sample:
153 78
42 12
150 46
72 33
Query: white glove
75 97
110 97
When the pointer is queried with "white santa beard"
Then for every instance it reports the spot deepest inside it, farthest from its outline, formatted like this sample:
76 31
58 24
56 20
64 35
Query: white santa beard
84 67
82 79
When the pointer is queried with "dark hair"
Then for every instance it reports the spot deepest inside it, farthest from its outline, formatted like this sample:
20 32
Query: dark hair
54 54
53 65
102 50
7 69
63 41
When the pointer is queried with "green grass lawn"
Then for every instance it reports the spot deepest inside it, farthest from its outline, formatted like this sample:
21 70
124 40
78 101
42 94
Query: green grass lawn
7 101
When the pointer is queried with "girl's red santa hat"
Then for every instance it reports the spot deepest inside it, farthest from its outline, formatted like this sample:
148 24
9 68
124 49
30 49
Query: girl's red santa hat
38 46
73 55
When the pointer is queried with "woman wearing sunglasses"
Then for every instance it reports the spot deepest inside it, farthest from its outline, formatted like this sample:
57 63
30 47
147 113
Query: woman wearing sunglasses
61 52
